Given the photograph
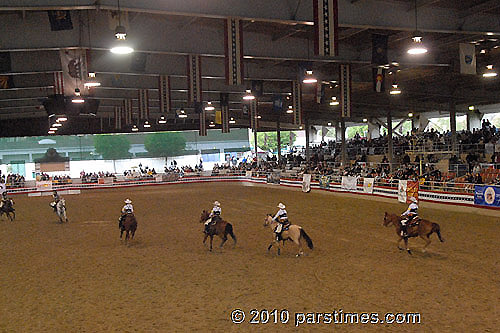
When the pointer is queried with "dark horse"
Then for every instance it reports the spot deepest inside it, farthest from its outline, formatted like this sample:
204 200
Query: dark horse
8 209
129 225
221 229
423 229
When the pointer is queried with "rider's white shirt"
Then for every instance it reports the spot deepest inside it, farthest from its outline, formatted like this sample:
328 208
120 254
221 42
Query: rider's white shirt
128 207
412 207
280 213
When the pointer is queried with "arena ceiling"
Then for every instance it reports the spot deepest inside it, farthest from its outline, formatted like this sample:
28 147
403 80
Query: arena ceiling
278 41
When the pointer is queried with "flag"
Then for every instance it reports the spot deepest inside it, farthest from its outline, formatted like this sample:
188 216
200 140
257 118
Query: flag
127 108
233 41
5 62
379 49
165 93
378 79
6 82
297 102
58 83
194 78
345 90
254 121
74 69
224 104
60 20
257 88
118 117
143 104
326 27
218 117
467 59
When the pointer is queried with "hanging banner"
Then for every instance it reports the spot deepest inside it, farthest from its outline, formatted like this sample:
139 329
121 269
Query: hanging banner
194 79
45 185
349 183
487 195
203 123
411 190
324 182
319 92
224 104
326 27
297 102
467 58
368 185
74 70
306 183
248 174
254 121
127 110
345 90
58 83
233 40
402 186
165 94
143 104
118 117
379 49
378 79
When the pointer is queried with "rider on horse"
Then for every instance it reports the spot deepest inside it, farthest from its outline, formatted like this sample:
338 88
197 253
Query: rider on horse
127 209
56 197
410 214
214 216
5 200
282 219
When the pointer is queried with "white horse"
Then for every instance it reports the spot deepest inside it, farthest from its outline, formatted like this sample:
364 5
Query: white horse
61 210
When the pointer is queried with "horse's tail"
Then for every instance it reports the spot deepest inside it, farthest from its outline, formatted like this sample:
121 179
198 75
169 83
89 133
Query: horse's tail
229 230
307 238
437 230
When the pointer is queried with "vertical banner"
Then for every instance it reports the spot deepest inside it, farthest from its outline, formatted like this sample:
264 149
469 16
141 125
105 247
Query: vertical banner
320 92
467 59
297 102
254 121
345 90
58 83
411 190
326 27
194 79
379 49
165 94
203 122
378 79
349 183
324 182
224 104
368 185
306 183
118 117
143 104
74 70
402 186
233 40
127 108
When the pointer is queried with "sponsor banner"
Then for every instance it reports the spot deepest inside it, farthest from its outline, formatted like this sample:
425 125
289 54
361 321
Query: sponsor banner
44 185
273 177
487 195
467 58
349 183
326 27
411 190
206 173
368 185
345 90
402 186
324 182
306 183
248 174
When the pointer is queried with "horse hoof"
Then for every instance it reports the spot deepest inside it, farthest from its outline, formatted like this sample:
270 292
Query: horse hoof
409 251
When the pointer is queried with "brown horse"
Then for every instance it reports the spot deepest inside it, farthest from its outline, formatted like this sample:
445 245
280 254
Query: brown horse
423 229
8 209
129 225
221 229
295 233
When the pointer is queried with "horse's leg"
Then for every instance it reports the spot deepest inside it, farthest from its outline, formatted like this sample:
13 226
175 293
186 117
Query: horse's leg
224 239
205 238
121 233
299 245
399 242
406 245
427 242
211 239
270 246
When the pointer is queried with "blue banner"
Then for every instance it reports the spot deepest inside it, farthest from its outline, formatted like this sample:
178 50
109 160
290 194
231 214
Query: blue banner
487 195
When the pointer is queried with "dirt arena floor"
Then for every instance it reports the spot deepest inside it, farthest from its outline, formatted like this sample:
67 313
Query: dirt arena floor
79 277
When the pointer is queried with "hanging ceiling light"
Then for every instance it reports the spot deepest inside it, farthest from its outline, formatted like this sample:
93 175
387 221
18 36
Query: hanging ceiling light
78 97
329 124
56 125
181 113
290 109
410 114
490 72
121 46
162 120
309 78
147 124
53 129
92 82
211 124
209 107
395 89
365 120
61 119
417 47
51 132
248 95
134 128
232 121
334 101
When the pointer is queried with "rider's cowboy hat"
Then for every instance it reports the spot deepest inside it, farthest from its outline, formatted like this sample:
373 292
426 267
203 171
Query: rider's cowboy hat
128 201
281 206
217 203
413 199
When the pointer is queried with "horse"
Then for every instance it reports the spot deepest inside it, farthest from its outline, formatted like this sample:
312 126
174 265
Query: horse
423 230
8 209
294 233
129 225
61 210
221 228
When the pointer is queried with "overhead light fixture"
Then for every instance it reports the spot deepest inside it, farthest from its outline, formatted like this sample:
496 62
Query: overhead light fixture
309 78
290 109
259 117
248 95
134 128
334 101
147 124
56 125
483 51
365 120
395 89
300 127
329 124
395 63
61 119
472 107
53 129
232 121
162 120
92 82
121 46
410 114
181 113
51 132
211 124
78 98
490 33
209 107
417 47
490 72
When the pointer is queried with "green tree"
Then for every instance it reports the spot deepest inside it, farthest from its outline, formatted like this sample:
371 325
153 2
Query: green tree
165 144
351 131
268 141
112 147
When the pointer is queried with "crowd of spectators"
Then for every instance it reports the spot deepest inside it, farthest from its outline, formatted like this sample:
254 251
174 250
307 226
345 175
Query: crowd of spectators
93 177
12 180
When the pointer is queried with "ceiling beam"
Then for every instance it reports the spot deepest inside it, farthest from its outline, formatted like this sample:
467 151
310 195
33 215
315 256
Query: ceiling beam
479 8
